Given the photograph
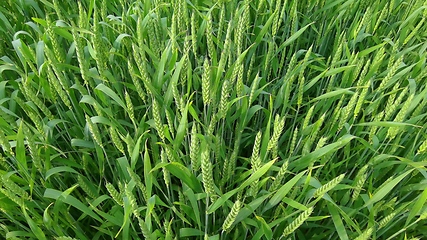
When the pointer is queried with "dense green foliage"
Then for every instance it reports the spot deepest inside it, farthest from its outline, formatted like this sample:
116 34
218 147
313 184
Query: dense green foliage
213 120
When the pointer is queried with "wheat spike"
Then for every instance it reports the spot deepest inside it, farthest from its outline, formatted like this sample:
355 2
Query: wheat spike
54 40
37 100
360 101
206 82
166 175
226 50
138 183
257 145
390 73
231 217
391 106
256 164
144 229
366 234
279 123
136 82
360 181
386 220
345 113
224 100
116 140
98 45
115 195
233 159
328 186
35 156
221 20
86 188
277 18
194 25
400 117
170 121
132 201
194 149
129 106
208 181
293 142
4 142
9 194
239 83
82 21
423 147
14 188
57 9
414 31
279 177
209 39
297 222
300 90
58 88
94 131
381 17
84 70
308 117
157 119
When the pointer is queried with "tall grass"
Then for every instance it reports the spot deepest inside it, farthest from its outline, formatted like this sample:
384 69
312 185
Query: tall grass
213 119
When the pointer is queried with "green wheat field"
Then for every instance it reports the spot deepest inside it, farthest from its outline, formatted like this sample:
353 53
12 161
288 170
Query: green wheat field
204 119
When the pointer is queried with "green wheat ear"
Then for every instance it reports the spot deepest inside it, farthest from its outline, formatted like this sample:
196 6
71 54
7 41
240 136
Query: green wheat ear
208 181
328 186
297 222
366 234
231 217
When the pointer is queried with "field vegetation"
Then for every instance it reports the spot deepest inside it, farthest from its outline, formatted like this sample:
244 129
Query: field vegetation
238 119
